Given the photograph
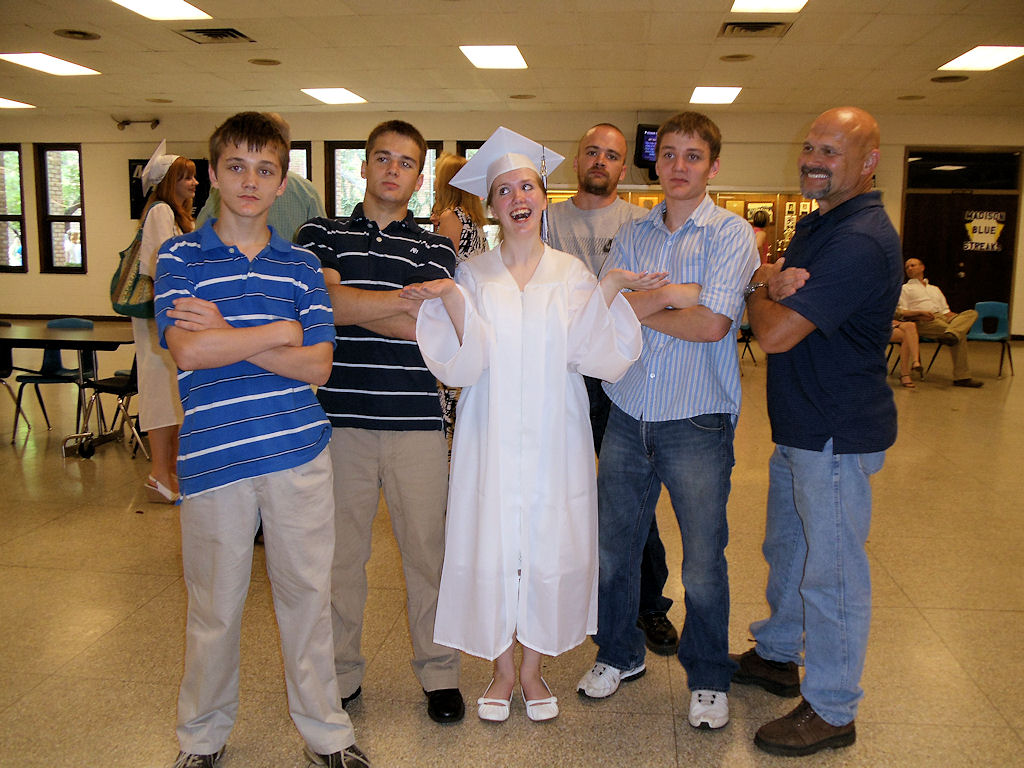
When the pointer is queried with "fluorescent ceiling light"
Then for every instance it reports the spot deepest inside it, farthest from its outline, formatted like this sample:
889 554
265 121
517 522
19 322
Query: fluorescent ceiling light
949 167
494 56
982 58
46 63
767 6
164 10
334 95
10 104
714 95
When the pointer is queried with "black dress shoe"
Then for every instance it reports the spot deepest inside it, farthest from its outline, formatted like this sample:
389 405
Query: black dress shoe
445 705
972 383
659 634
346 700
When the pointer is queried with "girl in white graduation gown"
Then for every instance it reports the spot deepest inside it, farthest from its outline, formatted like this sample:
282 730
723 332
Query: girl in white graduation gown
517 330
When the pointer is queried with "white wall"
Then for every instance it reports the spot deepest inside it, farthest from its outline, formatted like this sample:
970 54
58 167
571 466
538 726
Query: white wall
759 153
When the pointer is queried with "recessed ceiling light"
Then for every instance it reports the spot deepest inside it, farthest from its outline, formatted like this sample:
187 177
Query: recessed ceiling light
265 62
494 56
163 10
767 6
334 95
910 97
949 167
51 65
913 159
732 57
949 78
11 104
523 96
76 34
983 58
714 95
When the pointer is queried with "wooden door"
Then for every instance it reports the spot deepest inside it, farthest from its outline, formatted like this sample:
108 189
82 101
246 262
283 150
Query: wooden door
966 240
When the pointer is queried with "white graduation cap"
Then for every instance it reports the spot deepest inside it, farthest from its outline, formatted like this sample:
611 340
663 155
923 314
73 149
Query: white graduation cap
504 151
156 168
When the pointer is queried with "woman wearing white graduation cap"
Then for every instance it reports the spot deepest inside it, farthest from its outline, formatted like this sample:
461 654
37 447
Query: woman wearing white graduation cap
517 329
168 212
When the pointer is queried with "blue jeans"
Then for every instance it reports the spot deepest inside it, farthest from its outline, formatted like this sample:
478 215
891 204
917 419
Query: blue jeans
653 570
819 583
693 458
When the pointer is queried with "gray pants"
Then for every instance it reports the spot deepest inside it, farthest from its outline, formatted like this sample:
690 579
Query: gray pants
412 469
217 529
959 327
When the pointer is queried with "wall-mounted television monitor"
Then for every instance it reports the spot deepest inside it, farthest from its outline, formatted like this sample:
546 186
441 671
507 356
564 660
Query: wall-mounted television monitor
646 138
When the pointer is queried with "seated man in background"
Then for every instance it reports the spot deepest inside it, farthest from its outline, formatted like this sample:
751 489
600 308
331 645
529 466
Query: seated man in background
926 306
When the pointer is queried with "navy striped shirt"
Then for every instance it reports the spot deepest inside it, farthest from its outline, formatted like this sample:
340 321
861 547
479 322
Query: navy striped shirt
676 379
242 421
379 382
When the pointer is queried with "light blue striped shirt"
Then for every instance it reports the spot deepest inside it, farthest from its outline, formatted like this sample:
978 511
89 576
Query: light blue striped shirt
242 421
676 379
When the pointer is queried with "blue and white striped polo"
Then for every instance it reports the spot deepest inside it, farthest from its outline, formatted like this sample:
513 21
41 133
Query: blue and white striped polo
242 421
676 379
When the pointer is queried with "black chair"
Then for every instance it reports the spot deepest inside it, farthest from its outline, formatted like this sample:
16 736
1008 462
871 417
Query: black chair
52 371
124 388
6 369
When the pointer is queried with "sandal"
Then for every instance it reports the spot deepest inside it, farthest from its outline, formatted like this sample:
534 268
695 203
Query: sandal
907 382
918 368
493 710
158 493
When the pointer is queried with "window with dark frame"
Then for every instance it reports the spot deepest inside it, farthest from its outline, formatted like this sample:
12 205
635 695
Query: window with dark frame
60 208
13 255
300 159
346 186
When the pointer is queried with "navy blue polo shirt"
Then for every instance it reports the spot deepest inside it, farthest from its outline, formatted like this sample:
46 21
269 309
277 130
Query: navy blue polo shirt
378 382
833 383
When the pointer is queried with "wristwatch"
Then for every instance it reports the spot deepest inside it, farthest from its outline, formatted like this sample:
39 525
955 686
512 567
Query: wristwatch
753 287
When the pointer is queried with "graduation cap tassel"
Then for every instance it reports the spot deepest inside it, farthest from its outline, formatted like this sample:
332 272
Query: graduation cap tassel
544 183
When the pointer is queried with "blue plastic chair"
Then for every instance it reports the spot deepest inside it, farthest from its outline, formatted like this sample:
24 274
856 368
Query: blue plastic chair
993 324
52 371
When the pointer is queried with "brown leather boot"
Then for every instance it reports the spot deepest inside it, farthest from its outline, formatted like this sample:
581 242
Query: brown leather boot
803 732
780 678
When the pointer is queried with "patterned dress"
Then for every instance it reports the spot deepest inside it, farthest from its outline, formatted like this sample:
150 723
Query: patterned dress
471 241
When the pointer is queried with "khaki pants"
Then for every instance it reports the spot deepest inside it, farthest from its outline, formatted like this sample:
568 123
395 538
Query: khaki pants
958 326
412 469
217 530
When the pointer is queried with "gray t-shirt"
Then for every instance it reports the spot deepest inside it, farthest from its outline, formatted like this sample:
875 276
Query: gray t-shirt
588 235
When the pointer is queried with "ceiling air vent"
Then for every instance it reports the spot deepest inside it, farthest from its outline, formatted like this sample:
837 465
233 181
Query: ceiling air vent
215 35
749 29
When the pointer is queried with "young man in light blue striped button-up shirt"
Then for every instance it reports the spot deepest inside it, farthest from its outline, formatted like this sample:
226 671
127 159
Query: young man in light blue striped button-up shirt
673 419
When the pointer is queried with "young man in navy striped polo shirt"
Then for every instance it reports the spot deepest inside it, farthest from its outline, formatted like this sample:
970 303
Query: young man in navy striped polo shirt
383 404
248 320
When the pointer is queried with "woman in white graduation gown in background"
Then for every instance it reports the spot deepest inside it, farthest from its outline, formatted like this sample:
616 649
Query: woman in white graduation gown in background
517 331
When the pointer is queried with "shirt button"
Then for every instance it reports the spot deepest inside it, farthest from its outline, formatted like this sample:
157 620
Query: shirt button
380 240
652 375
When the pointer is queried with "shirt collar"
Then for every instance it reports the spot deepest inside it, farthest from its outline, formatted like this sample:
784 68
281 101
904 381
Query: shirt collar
700 217
209 239
359 217
844 210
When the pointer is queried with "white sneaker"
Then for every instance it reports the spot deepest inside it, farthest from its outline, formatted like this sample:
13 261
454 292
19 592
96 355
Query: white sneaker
602 681
709 709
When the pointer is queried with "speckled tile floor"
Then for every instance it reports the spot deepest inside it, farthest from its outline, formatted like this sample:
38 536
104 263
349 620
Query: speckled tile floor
92 616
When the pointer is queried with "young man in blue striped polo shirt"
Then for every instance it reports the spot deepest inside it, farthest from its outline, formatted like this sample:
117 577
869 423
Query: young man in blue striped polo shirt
383 404
248 320
672 420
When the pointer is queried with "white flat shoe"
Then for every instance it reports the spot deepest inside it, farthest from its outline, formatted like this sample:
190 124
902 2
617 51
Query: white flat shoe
540 710
493 710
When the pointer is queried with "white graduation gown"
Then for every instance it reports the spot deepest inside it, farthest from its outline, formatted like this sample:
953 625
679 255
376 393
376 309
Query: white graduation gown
521 534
